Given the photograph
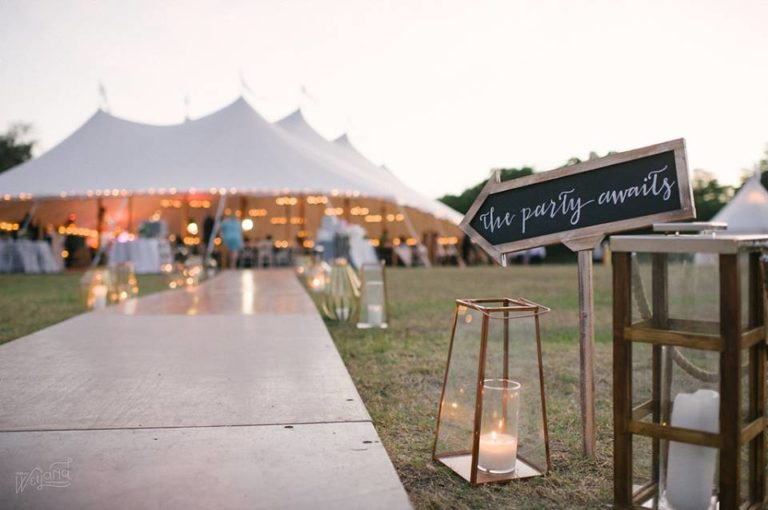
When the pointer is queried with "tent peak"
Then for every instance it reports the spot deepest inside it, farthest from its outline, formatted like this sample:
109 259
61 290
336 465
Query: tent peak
295 116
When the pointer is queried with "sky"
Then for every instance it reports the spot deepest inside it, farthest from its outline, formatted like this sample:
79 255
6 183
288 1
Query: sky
439 91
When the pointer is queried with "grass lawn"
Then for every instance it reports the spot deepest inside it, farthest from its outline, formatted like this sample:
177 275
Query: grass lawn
29 302
399 372
399 375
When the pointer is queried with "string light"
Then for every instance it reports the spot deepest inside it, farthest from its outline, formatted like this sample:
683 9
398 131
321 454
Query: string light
286 200
9 227
334 211
317 200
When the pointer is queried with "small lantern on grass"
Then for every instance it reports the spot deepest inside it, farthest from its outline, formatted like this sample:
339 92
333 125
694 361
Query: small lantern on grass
318 276
689 369
125 282
193 270
492 420
303 264
174 273
373 297
342 292
96 289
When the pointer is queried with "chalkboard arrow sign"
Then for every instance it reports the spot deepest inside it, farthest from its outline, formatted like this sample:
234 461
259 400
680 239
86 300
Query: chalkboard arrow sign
623 191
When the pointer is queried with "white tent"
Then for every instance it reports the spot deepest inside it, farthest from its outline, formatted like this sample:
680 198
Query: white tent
112 174
231 148
747 212
234 149
342 151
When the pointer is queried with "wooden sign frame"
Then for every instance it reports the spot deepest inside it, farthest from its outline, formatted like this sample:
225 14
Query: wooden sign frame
685 192
583 240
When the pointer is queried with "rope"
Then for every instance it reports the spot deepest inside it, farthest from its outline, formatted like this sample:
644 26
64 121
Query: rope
645 312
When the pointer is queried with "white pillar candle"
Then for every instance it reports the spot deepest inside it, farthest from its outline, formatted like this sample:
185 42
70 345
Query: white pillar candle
342 312
691 468
375 315
99 296
498 452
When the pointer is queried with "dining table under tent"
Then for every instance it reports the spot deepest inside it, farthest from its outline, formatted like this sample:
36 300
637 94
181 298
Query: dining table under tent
112 175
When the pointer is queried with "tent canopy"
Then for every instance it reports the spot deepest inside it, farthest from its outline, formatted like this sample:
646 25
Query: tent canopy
747 213
345 154
234 149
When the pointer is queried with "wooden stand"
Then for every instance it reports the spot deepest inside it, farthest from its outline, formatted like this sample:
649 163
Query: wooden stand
584 247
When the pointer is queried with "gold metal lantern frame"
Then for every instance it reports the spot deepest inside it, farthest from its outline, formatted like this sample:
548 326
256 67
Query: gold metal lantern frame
689 347
341 296
492 418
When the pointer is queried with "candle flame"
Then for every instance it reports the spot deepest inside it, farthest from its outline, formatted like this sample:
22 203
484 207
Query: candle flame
493 435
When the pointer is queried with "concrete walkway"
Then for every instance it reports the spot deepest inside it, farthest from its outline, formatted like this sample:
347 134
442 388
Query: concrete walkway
231 395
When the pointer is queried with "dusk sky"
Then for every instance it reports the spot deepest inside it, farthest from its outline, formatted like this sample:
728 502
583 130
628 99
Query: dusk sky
439 91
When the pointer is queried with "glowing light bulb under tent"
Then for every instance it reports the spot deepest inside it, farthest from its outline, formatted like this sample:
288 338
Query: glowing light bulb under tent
247 224
192 228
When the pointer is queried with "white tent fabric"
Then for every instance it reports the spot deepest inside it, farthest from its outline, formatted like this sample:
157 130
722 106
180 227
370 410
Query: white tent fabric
747 212
233 148
342 151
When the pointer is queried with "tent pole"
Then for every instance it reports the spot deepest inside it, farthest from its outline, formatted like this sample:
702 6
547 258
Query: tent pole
102 247
130 214
28 219
414 234
184 216
288 222
216 224
99 221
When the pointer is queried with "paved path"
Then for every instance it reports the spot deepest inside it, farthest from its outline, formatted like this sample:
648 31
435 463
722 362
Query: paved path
228 396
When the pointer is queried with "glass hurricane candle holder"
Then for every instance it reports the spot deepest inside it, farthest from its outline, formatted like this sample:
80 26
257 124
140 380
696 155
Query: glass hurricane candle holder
193 270
492 419
125 281
689 369
374 312
96 289
317 276
497 452
342 293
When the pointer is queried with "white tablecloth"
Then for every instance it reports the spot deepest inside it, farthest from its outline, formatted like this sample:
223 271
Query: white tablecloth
25 256
147 255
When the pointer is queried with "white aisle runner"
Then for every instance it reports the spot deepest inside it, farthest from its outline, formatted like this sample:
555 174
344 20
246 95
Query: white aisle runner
229 396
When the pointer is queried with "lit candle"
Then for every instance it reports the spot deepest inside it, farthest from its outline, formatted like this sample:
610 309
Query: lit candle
99 296
691 468
317 283
498 452
374 315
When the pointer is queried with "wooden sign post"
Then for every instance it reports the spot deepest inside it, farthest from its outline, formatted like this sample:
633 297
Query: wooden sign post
577 206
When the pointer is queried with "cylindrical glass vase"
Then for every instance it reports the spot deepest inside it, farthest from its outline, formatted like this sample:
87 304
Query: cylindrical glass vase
497 453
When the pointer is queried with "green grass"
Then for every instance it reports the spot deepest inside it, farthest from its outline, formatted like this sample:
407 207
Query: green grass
399 372
399 375
29 302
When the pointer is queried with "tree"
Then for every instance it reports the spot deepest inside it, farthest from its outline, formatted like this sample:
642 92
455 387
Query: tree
464 200
709 195
15 147
762 166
